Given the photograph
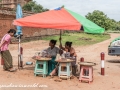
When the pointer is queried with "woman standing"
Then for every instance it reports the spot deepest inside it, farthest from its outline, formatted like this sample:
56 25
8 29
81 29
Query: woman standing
5 54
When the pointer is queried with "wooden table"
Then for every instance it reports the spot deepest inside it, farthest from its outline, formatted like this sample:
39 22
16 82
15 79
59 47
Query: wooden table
87 63
65 63
41 66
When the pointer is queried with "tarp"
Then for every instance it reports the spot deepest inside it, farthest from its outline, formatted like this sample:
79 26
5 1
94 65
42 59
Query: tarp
19 14
59 19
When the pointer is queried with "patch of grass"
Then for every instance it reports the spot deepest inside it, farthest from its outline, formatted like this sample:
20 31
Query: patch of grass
80 38
28 39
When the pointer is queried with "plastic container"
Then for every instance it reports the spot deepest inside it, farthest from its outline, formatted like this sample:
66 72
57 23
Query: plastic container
29 63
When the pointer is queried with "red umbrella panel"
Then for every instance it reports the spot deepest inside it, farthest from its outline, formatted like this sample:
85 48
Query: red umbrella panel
55 19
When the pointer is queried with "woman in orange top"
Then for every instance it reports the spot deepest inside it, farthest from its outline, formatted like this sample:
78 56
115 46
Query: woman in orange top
68 48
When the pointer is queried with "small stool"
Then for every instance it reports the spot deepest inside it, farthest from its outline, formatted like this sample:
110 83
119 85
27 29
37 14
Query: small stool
67 72
86 73
41 67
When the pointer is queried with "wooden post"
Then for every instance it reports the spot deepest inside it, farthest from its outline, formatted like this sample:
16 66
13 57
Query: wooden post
102 64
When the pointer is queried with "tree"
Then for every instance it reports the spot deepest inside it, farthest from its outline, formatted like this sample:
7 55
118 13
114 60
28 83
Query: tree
62 6
118 25
0 4
101 19
34 7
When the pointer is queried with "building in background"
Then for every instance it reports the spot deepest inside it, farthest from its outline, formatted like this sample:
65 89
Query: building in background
12 3
8 14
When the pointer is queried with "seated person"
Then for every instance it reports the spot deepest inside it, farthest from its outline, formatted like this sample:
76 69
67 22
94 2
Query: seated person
68 48
52 52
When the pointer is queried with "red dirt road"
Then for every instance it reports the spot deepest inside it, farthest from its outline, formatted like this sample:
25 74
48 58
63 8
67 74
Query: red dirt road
90 53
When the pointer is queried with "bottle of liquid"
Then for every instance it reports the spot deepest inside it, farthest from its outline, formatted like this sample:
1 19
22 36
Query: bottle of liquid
63 55
67 55
58 57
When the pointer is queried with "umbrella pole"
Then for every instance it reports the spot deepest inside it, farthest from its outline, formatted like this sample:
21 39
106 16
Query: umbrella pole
60 37
60 43
19 53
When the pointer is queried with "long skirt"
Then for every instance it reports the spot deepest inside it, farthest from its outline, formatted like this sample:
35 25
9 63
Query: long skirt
6 56
51 65
74 66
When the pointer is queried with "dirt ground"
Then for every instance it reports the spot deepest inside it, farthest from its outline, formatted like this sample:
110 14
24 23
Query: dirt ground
90 53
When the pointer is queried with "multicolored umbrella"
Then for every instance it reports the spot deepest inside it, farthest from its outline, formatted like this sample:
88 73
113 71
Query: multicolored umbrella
59 18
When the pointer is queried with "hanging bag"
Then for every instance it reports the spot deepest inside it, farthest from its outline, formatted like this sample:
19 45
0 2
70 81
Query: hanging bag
2 61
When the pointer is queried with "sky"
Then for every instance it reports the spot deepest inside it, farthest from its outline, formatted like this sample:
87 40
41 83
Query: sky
110 7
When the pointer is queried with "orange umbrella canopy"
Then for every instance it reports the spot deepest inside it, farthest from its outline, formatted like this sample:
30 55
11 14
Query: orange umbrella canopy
55 19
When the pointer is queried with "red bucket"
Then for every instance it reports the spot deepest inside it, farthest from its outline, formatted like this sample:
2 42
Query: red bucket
2 61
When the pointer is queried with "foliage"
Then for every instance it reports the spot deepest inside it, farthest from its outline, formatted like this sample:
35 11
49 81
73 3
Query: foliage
80 38
62 6
34 7
118 26
101 19
0 1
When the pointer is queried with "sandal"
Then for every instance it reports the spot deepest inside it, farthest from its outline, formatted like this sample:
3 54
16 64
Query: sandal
13 70
51 76
58 80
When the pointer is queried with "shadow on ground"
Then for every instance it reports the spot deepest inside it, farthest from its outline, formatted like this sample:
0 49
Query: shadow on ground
29 67
114 61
